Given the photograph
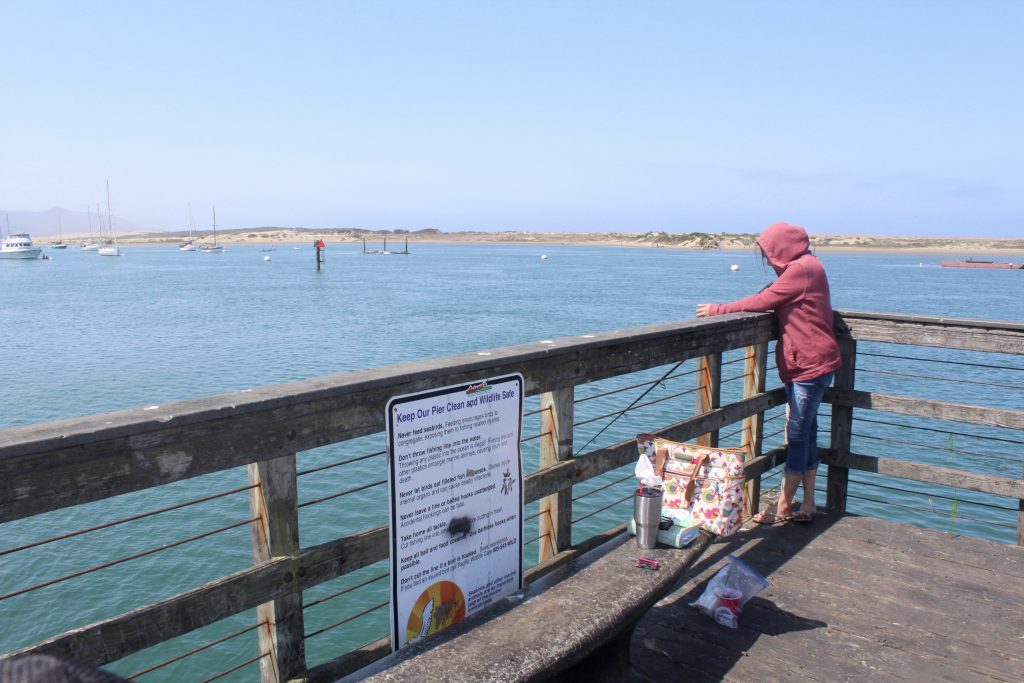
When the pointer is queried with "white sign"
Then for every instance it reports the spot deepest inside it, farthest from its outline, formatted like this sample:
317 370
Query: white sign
456 499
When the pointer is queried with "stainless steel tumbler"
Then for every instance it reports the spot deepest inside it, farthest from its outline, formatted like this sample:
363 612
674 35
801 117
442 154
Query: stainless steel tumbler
647 515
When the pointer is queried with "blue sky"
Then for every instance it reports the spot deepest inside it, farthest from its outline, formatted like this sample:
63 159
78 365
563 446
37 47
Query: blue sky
894 117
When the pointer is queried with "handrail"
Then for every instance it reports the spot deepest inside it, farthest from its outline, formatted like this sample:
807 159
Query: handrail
56 465
100 456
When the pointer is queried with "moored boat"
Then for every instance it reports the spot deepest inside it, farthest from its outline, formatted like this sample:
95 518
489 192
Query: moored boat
212 248
971 263
19 246
59 244
110 247
189 244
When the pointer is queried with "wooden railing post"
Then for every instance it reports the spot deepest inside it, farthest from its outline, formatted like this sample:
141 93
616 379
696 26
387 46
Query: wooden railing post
755 370
276 533
556 418
842 428
1020 519
709 391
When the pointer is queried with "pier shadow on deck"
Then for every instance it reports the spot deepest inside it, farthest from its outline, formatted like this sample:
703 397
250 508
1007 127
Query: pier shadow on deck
851 599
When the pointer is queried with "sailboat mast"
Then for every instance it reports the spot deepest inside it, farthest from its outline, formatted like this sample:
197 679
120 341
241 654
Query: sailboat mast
88 210
110 216
215 226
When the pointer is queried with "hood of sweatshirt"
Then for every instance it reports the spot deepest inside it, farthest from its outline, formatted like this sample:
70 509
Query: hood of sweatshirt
784 243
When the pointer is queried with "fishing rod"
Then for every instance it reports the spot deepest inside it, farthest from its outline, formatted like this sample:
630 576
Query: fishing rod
630 406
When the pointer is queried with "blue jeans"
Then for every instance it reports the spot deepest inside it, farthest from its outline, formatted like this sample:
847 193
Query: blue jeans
802 426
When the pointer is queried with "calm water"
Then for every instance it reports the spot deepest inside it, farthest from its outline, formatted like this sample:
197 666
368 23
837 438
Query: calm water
83 334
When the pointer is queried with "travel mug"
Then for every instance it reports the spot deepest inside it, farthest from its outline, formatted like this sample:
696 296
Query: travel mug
647 515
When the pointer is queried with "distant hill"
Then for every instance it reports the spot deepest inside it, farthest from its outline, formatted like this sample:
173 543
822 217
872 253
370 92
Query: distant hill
43 223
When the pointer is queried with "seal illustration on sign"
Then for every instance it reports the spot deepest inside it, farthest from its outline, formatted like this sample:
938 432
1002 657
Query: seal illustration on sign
438 607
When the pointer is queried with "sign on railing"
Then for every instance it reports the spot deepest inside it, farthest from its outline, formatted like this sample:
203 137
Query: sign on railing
456 497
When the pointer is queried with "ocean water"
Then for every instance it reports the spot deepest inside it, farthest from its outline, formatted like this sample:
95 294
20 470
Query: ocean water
84 334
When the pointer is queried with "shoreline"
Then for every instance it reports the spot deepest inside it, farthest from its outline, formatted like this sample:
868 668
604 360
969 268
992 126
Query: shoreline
688 241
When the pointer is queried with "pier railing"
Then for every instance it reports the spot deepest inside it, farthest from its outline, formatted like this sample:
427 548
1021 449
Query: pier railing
577 494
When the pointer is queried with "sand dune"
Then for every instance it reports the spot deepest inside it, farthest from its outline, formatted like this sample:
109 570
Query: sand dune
691 240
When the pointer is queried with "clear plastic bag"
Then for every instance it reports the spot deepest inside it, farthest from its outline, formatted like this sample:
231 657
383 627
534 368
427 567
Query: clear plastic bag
729 590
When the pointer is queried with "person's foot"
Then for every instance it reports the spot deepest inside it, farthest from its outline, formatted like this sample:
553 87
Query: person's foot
802 517
771 518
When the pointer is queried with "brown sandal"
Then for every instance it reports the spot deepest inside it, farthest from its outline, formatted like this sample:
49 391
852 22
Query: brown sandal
771 518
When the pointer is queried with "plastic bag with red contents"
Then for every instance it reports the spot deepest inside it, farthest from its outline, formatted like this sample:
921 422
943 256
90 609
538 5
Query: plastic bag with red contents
729 590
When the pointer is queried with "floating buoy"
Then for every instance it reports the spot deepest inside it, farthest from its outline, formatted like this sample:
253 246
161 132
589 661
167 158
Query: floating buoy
543 257
734 267
266 258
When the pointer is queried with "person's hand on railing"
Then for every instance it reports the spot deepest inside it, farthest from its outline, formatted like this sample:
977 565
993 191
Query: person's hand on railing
703 310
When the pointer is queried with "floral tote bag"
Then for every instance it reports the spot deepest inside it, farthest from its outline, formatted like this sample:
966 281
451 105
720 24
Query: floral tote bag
702 485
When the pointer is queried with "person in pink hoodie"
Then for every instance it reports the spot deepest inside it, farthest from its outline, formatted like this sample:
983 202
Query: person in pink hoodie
806 354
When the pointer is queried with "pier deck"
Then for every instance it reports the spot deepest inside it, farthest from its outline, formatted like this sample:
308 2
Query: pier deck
851 599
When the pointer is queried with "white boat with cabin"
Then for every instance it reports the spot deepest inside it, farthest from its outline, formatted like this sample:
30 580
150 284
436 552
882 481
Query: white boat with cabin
19 246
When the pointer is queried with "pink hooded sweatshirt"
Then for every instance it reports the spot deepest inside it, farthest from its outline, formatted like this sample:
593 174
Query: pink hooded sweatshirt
807 345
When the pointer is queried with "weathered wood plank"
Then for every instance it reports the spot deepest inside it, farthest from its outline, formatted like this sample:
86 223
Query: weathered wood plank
754 468
666 652
348 663
564 475
111 639
54 465
531 640
166 619
709 392
275 533
930 545
931 474
928 592
842 428
775 626
334 669
555 522
951 333
1020 522
939 410
927 608
755 365
836 612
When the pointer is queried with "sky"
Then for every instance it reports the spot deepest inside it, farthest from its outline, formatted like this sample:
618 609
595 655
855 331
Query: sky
899 117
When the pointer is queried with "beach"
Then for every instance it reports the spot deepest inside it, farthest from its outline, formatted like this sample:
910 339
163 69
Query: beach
654 240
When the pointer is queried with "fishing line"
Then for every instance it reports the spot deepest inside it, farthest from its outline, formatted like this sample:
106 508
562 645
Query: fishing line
630 406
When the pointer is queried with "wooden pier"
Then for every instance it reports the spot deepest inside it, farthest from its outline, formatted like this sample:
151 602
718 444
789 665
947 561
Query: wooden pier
852 598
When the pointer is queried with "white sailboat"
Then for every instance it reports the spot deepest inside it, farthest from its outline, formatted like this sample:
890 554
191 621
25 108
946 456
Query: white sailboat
188 245
110 249
59 244
212 248
92 244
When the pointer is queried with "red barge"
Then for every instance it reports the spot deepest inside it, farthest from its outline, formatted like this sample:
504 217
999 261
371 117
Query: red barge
971 263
